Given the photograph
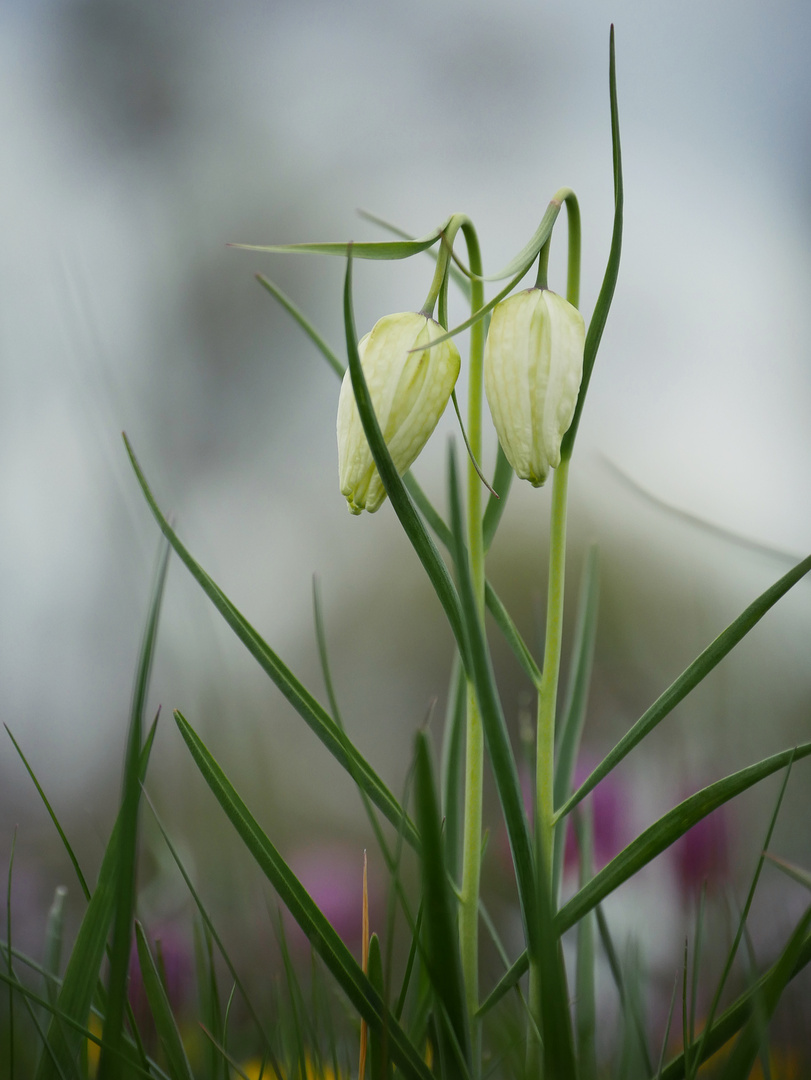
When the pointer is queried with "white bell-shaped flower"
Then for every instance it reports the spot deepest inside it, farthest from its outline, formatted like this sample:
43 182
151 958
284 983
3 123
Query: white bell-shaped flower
533 364
409 392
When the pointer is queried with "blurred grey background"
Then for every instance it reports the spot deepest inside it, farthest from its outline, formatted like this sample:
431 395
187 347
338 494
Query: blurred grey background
139 138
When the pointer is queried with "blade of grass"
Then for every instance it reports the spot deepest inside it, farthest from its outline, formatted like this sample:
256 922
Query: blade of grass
71 854
305 324
606 295
494 511
321 934
121 946
442 956
82 972
746 907
386 250
313 714
650 843
212 931
459 279
11 1026
453 756
689 679
165 1025
577 692
585 993
730 1022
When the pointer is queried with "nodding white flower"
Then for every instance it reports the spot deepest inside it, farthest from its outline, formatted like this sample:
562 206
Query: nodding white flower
533 364
409 392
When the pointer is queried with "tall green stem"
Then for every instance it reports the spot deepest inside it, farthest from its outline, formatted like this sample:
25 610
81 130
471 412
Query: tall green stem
474 748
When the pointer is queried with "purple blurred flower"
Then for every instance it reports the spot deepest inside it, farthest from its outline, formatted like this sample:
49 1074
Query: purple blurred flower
702 854
333 876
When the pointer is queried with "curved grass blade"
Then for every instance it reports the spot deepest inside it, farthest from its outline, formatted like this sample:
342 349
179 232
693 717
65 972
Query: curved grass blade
65 843
442 956
308 328
460 279
795 957
313 714
395 488
321 934
491 597
574 713
495 729
453 757
385 250
652 842
82 972
601 308
121 945
176 1060
493 512
659 836
689 679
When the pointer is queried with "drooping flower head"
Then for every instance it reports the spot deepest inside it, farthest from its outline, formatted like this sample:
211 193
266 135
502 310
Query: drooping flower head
409 392
533 364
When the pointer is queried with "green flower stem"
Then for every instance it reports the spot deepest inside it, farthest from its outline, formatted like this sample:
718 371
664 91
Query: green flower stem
474 747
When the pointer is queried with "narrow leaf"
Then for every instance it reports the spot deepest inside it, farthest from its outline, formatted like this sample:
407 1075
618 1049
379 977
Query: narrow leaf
313 714
442 955
304 323
690 678
386 250
317 928
176 1060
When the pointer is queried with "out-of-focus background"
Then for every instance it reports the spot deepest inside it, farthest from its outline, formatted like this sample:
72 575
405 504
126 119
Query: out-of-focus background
139 138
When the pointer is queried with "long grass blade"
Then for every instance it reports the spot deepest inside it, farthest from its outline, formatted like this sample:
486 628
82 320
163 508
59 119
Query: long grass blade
176 1060
82 972
121 945
494 511
652 842
442 956
385 250
606 295
313 713
730 1022
305 324
574 712
317 928
690 678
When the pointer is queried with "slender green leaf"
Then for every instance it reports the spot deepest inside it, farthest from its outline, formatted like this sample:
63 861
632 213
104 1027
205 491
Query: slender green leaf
494 603
378 1054
585 994
53 817
495 728
305 324
82 972
442 956
321 934
796 873
395 488
494 511
556 1017
601 308
121 946
746 908
313 714
690 678
386 250
577 694
659 836
646 847
165 1025
733 1019
460 279
453 764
